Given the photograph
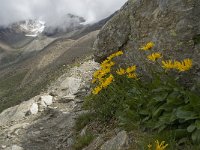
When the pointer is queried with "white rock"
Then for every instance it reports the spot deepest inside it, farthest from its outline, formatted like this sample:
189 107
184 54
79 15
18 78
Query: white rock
3 146
16 147
34 109
71 84
15 113
70 96
46 100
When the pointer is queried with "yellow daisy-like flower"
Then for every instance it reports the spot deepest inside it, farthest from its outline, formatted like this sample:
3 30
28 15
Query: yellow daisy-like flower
108 81
119 53
148 46
105 62
115 55
154 56
107 65
131 69
94 80
160 146
96 73
132 75
103 72
184 65
168 64
96 90
121 71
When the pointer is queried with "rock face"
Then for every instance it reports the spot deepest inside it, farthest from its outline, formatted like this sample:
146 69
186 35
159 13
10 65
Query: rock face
116 143
174 26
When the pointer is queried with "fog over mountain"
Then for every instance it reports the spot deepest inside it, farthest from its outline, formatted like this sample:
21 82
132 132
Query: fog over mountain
53 11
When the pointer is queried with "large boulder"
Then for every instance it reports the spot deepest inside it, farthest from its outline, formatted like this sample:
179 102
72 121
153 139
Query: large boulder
173 25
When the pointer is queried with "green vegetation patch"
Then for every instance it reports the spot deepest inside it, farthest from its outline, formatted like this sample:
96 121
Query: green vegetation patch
162 103
83 141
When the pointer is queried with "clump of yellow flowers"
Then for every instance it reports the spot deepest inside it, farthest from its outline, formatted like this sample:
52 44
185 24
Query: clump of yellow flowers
103 77
158 146
130 72
181 66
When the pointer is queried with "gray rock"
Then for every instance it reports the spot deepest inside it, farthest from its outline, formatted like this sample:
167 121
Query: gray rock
116 143
15 113
83 131
34 109
70 141
173 25
3 146
96 143
14 147
71 84
46 100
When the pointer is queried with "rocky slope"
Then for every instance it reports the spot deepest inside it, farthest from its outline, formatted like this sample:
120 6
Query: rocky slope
46 120
31 63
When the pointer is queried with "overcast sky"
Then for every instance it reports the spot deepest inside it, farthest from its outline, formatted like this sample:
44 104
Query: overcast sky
52 11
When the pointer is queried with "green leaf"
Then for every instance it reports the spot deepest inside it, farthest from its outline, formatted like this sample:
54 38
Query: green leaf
197 124
161 97
194 100
174 98
144 112
157 113
182 113
196 136
191 128
180 133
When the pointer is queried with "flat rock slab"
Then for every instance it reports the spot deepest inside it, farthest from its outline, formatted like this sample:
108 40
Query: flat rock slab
15 113
117 142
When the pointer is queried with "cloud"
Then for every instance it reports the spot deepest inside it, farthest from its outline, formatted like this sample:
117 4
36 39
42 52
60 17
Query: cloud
53 11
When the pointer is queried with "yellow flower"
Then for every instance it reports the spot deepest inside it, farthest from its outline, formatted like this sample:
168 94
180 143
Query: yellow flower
96 90
181 66
148 46
115 55
96 73
111 57
132 75
168 64
94 80
105 62
154 56
102 73
121 71
108 81
119 53
184 65
107 65
131 69
160 146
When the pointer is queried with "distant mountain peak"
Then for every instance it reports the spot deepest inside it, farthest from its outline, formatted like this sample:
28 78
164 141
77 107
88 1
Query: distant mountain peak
32 27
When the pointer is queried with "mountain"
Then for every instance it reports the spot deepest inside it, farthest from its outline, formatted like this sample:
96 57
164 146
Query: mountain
31 63
70 23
